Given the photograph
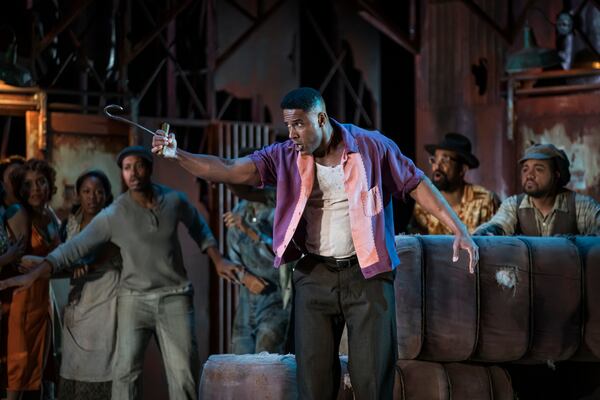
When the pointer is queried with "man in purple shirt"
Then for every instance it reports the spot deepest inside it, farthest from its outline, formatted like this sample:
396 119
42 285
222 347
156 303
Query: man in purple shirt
334 185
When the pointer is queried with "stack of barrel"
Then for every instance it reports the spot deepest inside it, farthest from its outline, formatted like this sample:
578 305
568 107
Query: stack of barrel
532 300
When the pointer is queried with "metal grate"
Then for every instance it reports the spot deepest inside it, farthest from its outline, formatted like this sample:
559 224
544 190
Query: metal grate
225 139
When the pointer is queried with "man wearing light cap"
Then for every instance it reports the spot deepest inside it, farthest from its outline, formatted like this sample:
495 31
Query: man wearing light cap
155 295
546 207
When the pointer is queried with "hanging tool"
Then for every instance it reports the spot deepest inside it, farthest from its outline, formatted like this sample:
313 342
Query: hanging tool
168 152
114 107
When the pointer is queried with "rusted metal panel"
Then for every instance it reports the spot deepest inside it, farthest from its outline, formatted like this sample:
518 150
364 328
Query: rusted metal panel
81 142
84 124
571 123
267 62
447 99
32 129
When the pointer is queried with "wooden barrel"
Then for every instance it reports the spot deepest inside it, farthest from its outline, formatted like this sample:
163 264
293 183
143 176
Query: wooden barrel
258 376
556 298
424 380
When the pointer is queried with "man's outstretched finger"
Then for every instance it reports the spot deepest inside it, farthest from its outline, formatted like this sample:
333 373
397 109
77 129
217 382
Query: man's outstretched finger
455 250
473 258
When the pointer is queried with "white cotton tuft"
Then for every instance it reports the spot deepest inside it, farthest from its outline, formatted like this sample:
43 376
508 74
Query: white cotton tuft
507 278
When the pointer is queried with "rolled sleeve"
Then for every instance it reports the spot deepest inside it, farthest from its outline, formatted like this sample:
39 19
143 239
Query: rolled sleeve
264 161
505 219
402 175
96 233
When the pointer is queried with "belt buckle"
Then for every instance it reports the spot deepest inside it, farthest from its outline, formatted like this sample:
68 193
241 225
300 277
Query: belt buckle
347 263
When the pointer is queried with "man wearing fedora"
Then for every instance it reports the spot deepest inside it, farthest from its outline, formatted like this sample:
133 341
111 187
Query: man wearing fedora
450 160
546 207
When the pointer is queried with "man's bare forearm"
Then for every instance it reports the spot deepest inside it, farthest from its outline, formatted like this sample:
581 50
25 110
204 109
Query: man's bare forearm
239 171
214 254
42 270
430 198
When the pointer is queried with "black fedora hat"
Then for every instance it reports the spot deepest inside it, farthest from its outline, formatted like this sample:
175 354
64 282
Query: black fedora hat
457 143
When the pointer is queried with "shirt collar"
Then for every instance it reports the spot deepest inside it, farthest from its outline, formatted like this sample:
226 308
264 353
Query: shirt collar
350 145
158 192
560 202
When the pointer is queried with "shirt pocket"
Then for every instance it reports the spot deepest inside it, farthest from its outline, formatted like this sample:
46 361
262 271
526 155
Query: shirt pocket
371 201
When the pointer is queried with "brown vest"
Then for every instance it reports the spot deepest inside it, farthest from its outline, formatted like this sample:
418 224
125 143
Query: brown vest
565 223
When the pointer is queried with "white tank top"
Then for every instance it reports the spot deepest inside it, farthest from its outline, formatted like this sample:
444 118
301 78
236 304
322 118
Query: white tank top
326 214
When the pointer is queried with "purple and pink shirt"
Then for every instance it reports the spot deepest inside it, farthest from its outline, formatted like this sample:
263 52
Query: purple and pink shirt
374 170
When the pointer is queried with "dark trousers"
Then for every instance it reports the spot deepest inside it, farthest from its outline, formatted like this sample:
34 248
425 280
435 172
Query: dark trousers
326 298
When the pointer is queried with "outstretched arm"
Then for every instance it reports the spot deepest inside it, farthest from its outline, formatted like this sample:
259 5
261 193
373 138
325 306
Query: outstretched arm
65 255
239 171
433 202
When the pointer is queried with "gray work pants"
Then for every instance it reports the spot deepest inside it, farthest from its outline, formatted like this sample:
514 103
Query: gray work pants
168 317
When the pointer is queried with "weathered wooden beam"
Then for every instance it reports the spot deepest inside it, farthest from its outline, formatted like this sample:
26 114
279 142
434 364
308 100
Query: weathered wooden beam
171 58
244 37
85 124
373 17
475 9
512 34
170 15
241 10
61 25
332 71
211 61
388 31
333 59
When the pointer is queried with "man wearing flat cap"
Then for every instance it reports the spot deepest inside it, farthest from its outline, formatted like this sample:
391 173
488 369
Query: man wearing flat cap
155 295
546 207
450 160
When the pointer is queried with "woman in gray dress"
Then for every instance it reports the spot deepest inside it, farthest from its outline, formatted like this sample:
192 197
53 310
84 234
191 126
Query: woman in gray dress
89 332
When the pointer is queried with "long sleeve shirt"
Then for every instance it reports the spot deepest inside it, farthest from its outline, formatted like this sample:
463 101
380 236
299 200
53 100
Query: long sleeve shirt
587 213
147 238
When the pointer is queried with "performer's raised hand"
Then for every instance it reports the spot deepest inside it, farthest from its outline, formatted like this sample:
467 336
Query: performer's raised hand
467 243
163 145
